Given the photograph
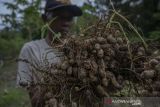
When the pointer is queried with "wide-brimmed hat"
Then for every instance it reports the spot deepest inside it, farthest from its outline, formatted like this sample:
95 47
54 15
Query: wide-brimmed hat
52 5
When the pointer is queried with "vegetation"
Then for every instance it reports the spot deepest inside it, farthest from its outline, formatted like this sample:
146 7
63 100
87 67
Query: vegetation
24 24
10 96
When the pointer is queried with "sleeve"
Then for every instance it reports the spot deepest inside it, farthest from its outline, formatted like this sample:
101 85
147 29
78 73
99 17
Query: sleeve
24 75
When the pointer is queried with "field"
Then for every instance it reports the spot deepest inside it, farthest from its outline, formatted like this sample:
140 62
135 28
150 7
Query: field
10 95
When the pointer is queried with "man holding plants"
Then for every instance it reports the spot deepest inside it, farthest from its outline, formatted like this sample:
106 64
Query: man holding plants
58 17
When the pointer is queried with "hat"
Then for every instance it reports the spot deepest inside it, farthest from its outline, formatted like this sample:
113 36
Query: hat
52 5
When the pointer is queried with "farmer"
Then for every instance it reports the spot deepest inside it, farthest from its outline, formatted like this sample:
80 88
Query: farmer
42 53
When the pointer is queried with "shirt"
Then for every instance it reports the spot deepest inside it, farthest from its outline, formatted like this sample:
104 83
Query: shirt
33 55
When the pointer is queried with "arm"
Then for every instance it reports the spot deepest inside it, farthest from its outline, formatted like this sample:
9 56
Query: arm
25 78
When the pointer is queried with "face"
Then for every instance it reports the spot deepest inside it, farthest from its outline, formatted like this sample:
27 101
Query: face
63 21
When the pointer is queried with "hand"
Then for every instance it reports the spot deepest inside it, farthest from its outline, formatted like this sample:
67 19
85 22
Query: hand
36 94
